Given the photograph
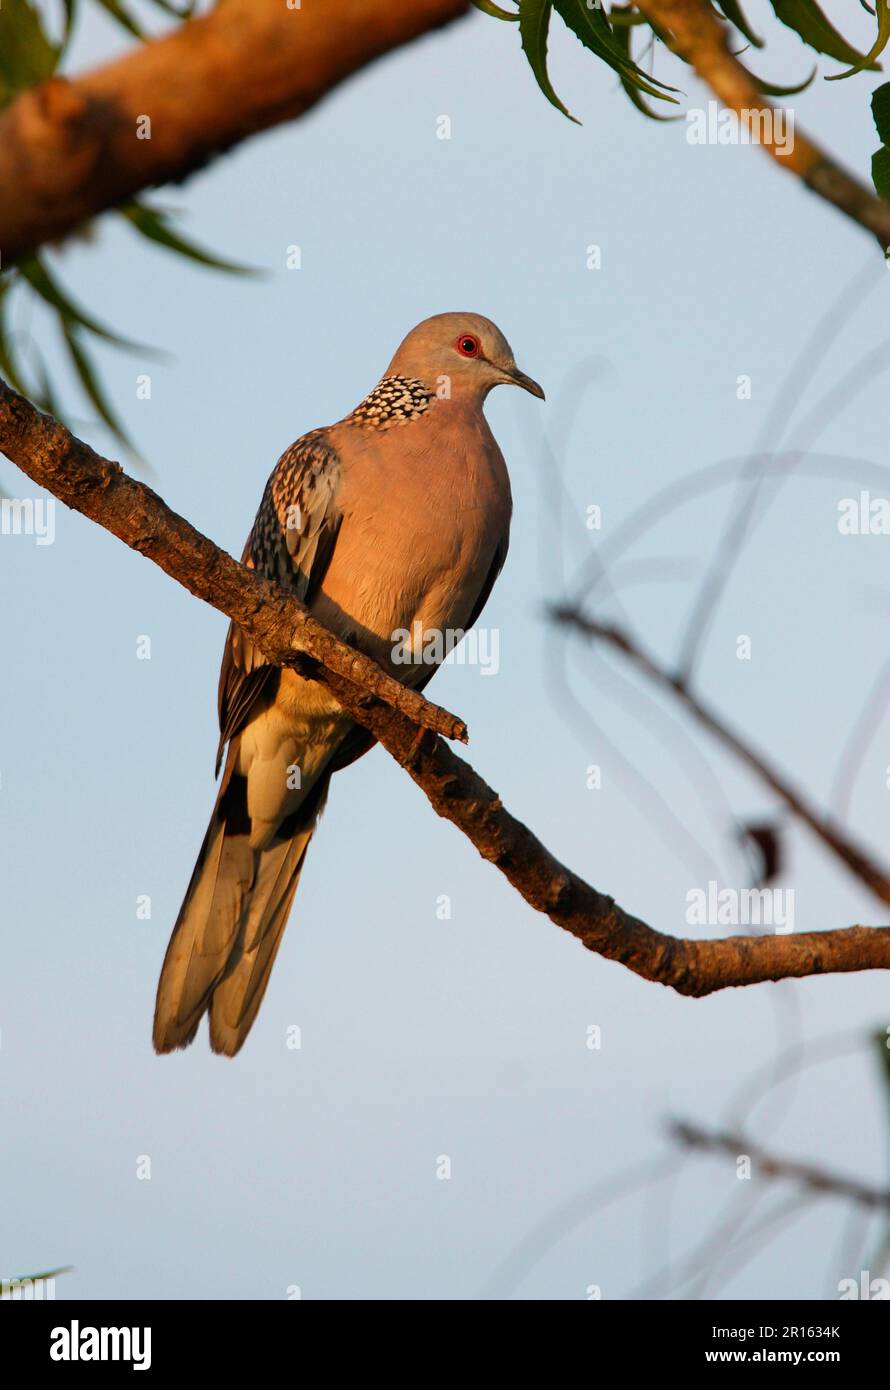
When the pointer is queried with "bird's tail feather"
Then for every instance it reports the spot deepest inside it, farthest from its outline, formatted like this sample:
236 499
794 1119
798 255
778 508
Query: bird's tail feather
236 999
230 925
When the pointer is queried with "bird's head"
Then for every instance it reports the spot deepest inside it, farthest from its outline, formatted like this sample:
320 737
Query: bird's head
464 353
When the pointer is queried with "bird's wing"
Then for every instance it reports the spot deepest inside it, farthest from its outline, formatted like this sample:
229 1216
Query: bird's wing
292 541
497 565
236 905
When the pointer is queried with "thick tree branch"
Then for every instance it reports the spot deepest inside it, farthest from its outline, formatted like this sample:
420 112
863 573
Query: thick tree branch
698 36
852 855
49 454
69 147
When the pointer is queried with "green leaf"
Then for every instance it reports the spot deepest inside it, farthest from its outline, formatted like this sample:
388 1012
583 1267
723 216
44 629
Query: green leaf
70 8
45 397
810 24
39 278
769 89
489 7
880 172
123 17
8 365
882 1043
877 48
534 22
90 383
46 1274
26 54
623 37
625 16
595 32
155 225
880 110
184 11
735 14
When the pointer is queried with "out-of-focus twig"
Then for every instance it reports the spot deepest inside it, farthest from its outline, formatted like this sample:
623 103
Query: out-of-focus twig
807 1175
856 859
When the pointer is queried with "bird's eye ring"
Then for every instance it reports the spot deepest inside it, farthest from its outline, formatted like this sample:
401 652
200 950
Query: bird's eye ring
467 345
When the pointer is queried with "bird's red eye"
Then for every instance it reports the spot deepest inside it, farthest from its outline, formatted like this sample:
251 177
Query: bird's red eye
467 345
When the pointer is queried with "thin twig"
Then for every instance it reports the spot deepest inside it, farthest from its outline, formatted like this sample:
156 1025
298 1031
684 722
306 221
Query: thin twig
856 859
806 1175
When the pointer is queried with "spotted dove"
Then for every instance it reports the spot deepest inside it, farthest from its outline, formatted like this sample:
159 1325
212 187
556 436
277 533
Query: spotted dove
397 516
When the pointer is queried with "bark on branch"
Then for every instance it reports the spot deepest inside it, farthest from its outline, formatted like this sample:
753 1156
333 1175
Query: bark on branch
69 147
699 37
53 458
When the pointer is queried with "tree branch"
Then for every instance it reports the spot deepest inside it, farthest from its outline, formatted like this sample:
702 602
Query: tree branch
816 1180
69 147
699 37
49 454
856 859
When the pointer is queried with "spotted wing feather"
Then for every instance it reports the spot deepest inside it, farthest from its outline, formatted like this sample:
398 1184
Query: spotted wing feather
291 542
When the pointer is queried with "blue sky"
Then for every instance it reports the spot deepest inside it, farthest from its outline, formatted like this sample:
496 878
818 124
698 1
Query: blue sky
317 1167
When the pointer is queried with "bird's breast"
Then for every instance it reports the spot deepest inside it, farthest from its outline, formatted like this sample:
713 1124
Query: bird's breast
424 508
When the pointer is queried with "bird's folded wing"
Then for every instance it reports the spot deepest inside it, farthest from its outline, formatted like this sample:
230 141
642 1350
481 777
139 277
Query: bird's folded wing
292 541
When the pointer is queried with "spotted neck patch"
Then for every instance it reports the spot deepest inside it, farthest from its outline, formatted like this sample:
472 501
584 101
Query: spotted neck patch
394 401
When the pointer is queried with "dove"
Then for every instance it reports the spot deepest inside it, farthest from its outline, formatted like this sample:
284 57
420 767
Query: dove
395 519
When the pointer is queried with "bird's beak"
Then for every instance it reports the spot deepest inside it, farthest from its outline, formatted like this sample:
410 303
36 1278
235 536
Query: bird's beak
517 378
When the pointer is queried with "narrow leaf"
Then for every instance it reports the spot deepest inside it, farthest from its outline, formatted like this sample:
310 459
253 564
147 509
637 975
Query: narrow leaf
880 172
877 48
70 8
534 22
882 1043
155 225
123 17
880 109
8 364
770 89
625 16
89 381
9 367
489 7
595 32
44 1275
811 25
39 278
736 15
184 11
26 54
623 38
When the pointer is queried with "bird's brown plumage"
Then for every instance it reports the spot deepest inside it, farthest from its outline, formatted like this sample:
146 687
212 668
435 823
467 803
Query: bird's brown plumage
397 515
